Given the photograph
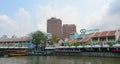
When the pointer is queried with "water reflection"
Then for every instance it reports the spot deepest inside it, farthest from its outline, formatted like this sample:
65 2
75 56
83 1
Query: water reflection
71 60
58 60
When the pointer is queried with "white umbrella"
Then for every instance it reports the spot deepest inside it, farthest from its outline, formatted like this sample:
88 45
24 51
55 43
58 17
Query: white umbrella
72 46
23 47
2 46
59 47
11 47
49 47
87 46
105 46
16 47
79 46
5 46
96 46
116 45
66 46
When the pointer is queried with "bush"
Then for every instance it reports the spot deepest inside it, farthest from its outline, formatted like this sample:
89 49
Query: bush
76 44
111 43
88 43
70 44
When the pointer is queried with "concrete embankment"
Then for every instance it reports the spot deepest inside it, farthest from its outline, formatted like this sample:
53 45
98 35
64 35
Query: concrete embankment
92 54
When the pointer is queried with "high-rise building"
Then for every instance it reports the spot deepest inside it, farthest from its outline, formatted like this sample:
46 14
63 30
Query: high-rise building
68 29
54 26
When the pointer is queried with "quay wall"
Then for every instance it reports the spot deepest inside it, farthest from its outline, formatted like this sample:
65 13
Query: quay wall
92 54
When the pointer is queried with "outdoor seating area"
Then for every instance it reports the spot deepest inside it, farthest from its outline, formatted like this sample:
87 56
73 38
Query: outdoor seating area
86 48
67 51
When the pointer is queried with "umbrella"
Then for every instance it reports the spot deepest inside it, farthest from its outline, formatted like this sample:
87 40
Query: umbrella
72 46
87 46
105 46
50 48
66 46
59 47
96 46
116 45
79 46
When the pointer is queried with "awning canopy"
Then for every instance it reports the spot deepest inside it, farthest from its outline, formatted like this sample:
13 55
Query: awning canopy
116 45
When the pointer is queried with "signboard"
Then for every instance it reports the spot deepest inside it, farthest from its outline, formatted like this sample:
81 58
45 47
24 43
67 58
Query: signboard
84 31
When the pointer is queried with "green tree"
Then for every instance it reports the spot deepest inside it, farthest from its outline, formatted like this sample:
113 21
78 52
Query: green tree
50 43
38 38
76 44
111 43
88 43
55 39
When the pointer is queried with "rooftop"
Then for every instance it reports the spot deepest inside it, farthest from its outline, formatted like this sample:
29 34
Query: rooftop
16 39
105 33
86 40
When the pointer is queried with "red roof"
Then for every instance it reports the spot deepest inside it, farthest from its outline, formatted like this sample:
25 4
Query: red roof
96 34
86 40
103 34
111 33
73 41
16 39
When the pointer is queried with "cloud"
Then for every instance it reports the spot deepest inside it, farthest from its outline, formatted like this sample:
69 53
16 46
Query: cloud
107 18
94 20
22 13
114 7
111 19
71 14
20 25
7 25
68 14
24 21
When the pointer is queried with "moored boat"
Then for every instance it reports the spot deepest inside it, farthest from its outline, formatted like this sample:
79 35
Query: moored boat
14 55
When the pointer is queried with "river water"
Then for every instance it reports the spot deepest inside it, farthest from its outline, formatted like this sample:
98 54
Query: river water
58 60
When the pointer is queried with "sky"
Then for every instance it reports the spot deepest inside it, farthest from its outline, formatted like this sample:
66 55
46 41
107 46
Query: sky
21 17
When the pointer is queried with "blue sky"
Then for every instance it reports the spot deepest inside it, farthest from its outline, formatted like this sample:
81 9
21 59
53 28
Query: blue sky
21 17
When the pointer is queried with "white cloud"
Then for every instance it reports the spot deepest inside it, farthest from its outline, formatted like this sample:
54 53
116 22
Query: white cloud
71 14
103 20
23 14
7 25
95 19
20 25
68 14
24 21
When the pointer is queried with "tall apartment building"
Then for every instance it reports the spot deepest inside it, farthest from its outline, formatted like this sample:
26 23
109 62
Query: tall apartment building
68 29
54 26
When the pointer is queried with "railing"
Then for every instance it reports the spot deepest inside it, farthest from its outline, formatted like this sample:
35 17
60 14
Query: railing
11 47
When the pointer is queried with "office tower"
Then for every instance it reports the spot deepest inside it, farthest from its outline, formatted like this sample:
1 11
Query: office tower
68 29
54 26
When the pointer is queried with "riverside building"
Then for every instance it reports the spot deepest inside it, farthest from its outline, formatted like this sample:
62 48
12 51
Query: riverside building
15 46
